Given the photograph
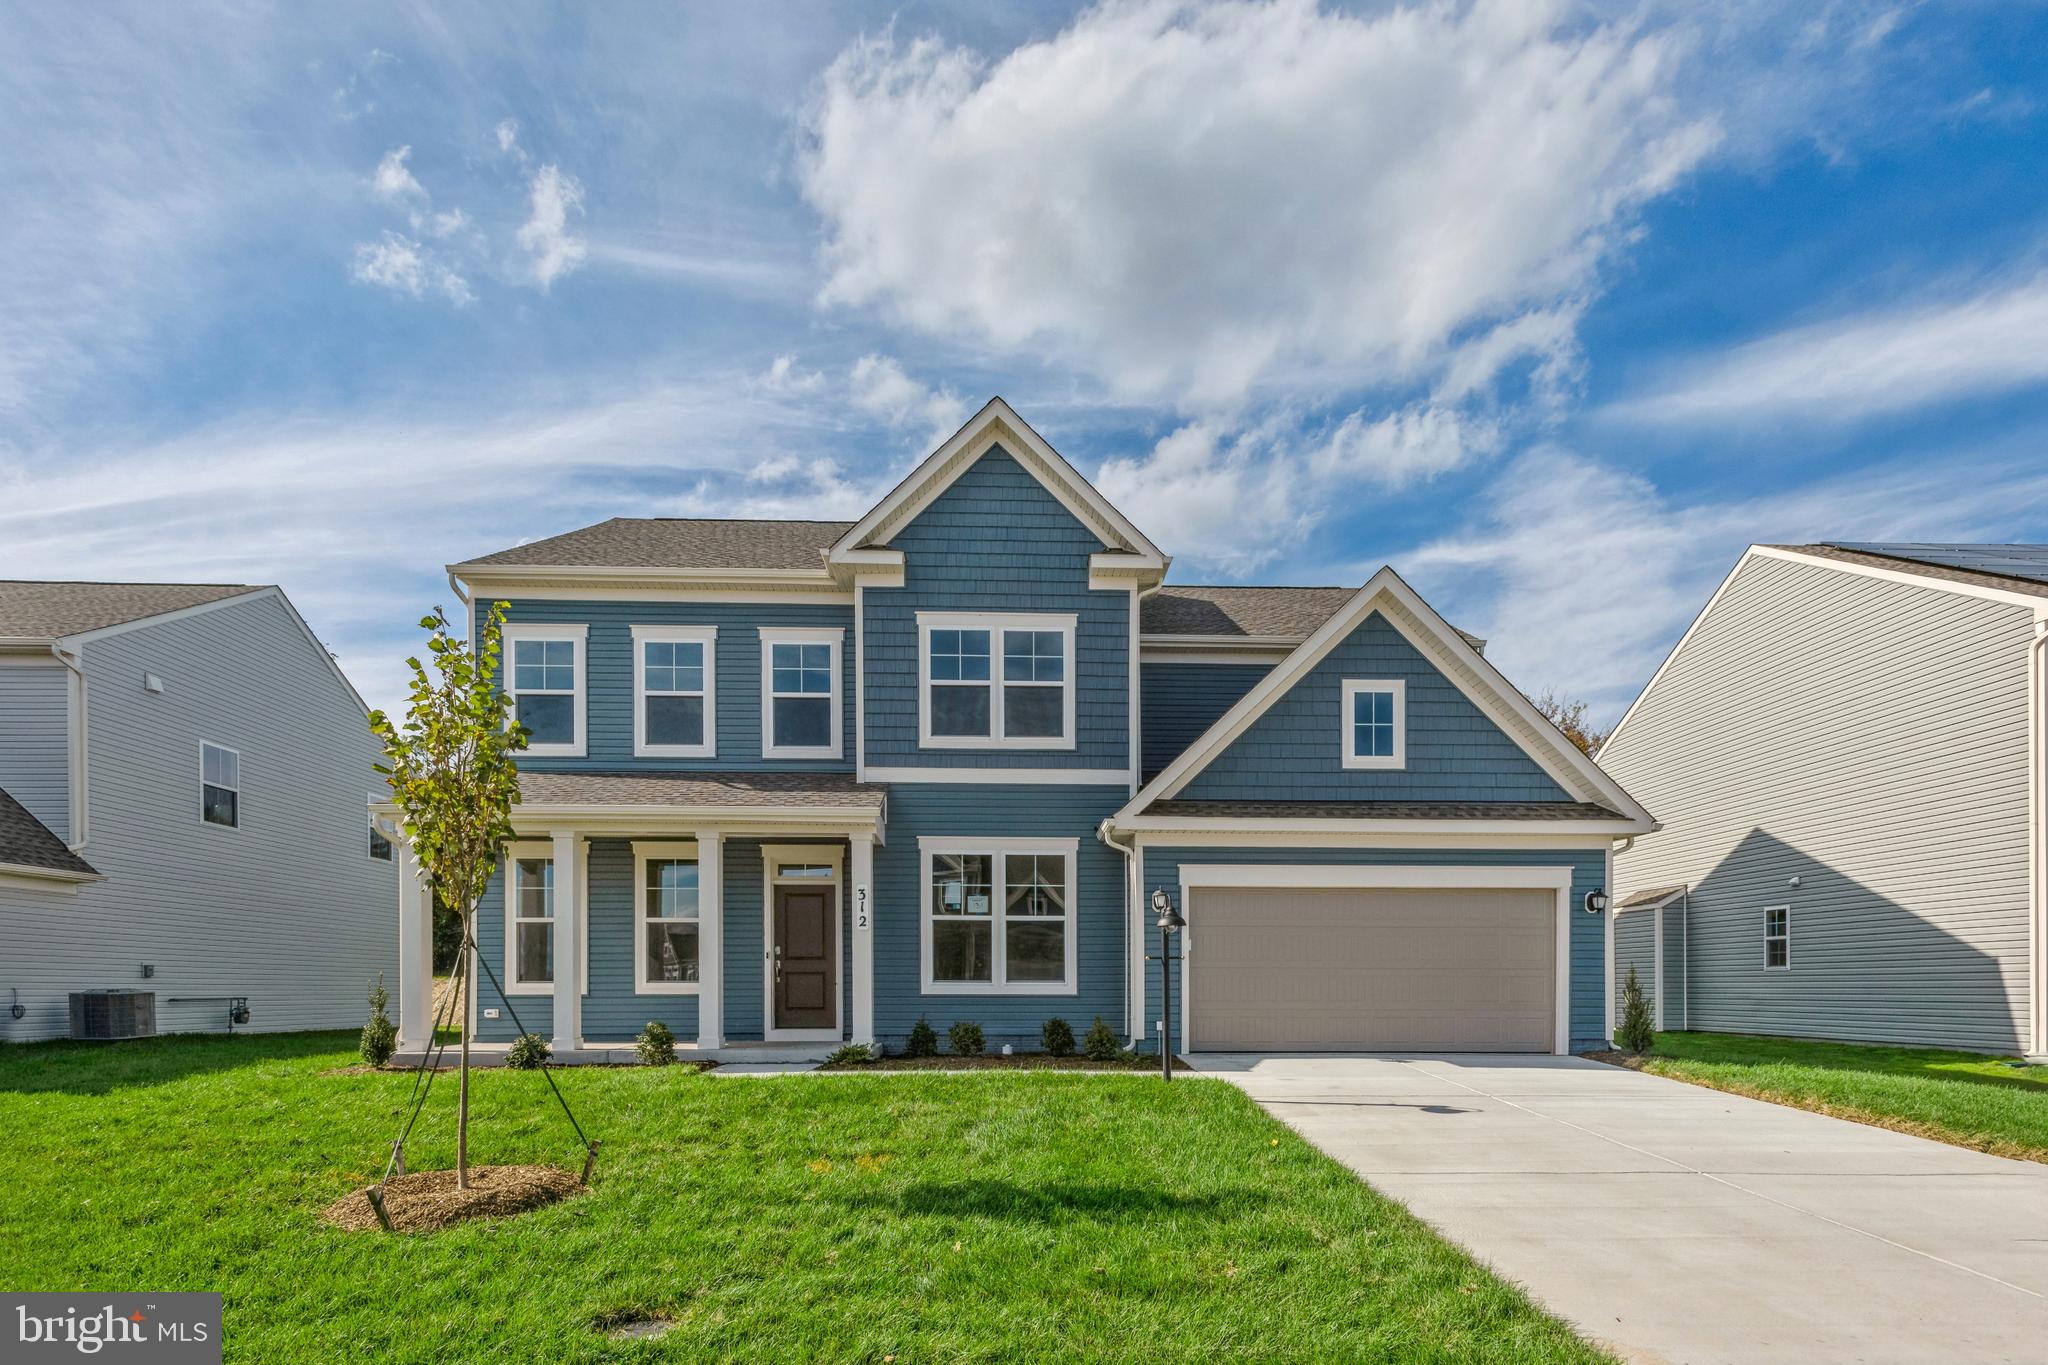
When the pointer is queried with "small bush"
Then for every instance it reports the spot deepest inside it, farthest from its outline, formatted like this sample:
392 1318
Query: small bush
853 1054
656 1045
1101 1044
380 1039
1058 1037
966 1039
923 1042
528 1053
1638 1029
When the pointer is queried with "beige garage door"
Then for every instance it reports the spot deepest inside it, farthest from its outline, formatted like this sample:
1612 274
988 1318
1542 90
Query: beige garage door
1422 971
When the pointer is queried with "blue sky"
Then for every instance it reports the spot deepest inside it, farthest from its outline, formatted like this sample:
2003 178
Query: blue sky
1553 306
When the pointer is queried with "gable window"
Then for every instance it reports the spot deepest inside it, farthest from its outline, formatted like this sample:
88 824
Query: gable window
666 957
800 706
675 707
380 847
544 675
1374 723
998 916
995 681
220 786
1778 937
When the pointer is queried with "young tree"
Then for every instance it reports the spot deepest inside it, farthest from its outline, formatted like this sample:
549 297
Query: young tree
1570 717
452 775
1637 1031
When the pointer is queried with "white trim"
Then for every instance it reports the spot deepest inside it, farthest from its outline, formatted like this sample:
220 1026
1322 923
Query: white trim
1164 825
998 848
1391 835
1770 938
1608 920
1022 777
512 633
1557 880
827 592
46 878
707 638
860 922
1347 728
710 939
647 851
535 848
772 855
994 625
235 786
860 681
831 636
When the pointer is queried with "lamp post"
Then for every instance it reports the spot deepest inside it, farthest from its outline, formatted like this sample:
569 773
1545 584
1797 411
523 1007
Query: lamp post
1169 919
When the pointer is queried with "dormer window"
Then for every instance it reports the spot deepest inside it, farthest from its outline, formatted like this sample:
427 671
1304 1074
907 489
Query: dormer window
1374 723
994 681
544 677
675 693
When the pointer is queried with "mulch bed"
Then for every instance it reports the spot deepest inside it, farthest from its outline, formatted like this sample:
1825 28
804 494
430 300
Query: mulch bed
422 1201
1022 1061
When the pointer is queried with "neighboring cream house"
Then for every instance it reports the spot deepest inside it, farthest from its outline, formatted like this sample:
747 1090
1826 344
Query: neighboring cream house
1845 751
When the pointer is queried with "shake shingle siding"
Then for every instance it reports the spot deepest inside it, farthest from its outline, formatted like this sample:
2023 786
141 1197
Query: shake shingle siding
1294 750
1869 738
1181 701
35 737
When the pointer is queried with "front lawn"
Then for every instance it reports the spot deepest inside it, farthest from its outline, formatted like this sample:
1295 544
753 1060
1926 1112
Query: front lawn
841 1217
1965 1098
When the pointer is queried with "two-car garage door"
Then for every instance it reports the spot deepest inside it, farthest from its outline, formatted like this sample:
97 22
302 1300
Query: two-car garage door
1371 970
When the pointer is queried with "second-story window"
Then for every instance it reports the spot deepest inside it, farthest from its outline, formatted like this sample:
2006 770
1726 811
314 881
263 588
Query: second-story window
800 692
675 708
220 785
996 681
544 669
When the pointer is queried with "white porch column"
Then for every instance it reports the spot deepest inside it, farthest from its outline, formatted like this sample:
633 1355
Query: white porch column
415 952
569 912
710 939
860 893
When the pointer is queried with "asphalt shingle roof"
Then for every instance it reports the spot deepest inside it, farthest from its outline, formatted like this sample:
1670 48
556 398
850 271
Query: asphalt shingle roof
679 543
838 790
48 610
1949 568
1286 612
1383 810
1649 897
27 842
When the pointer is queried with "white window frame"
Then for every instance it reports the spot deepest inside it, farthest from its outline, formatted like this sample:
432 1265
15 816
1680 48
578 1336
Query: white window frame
236 787
995 623
1785 938
1348 732
543 849
771 636
998 849
707 636
369 848
514 632
645 852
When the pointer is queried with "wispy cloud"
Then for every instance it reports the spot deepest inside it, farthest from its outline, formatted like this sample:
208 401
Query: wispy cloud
393 180
403 266
878 386
552 245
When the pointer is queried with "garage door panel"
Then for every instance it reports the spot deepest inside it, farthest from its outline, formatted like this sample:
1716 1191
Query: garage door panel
1417 970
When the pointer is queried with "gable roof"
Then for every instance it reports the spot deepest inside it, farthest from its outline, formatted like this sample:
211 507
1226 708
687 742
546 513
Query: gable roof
29 847
676 543
1246 611
1467 670
49 610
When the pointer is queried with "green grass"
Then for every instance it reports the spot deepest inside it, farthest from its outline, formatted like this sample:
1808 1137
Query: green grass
1965 1098
843 1217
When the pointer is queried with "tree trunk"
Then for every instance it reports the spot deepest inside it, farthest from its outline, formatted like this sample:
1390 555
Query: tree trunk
464 1005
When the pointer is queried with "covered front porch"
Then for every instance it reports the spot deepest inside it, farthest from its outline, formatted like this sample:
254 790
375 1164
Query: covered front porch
734 908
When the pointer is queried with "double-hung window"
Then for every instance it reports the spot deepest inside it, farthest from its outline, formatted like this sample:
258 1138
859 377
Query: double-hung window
666 921
530 919
1374 723
380 846
995 681
675 692
800 706
220 786
544 673
998 916
1778 938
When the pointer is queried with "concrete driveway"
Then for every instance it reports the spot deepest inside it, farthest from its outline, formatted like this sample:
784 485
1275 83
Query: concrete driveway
1671 1222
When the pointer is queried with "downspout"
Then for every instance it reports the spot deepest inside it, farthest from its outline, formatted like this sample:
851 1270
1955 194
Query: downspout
81 807
2037 842
1685 952
1134 941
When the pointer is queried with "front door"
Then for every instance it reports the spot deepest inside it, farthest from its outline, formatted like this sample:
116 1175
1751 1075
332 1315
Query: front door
806 954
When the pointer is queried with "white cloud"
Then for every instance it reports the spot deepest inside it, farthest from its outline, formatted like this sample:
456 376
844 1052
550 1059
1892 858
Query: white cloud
783 376
508 140
404 266
878 386
445 224
1886 360
554 247
1192 200
1401 448
393 181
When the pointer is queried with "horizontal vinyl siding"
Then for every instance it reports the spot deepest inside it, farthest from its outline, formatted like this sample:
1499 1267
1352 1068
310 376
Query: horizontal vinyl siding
288 909
1588 949
1674 965
1869 738
35 740
1293 751
1181 701
1635 945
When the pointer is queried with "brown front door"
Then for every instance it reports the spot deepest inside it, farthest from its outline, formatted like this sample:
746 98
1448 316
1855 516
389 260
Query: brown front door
806 958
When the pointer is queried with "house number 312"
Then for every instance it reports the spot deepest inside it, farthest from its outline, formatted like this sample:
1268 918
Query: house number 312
860 907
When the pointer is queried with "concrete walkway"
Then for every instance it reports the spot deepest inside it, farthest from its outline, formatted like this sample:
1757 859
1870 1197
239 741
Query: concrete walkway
1675 1223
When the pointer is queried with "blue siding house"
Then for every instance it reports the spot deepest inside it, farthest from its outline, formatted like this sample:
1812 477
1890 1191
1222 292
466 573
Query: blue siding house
795 783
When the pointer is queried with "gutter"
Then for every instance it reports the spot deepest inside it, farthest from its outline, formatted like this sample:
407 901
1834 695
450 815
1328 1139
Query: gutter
1133 934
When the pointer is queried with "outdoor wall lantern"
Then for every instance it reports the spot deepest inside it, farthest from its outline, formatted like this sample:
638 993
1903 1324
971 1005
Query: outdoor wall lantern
1169 919
1596 901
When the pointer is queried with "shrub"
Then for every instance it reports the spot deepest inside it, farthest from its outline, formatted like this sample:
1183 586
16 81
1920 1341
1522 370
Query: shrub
923 1042
1101 1044
656 1045
853 1054
1058 1037
966 1039
1638 1030
528 1053
380 1039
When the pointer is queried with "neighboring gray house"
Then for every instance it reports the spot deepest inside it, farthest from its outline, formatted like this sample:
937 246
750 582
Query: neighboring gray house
185 779
1845 751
